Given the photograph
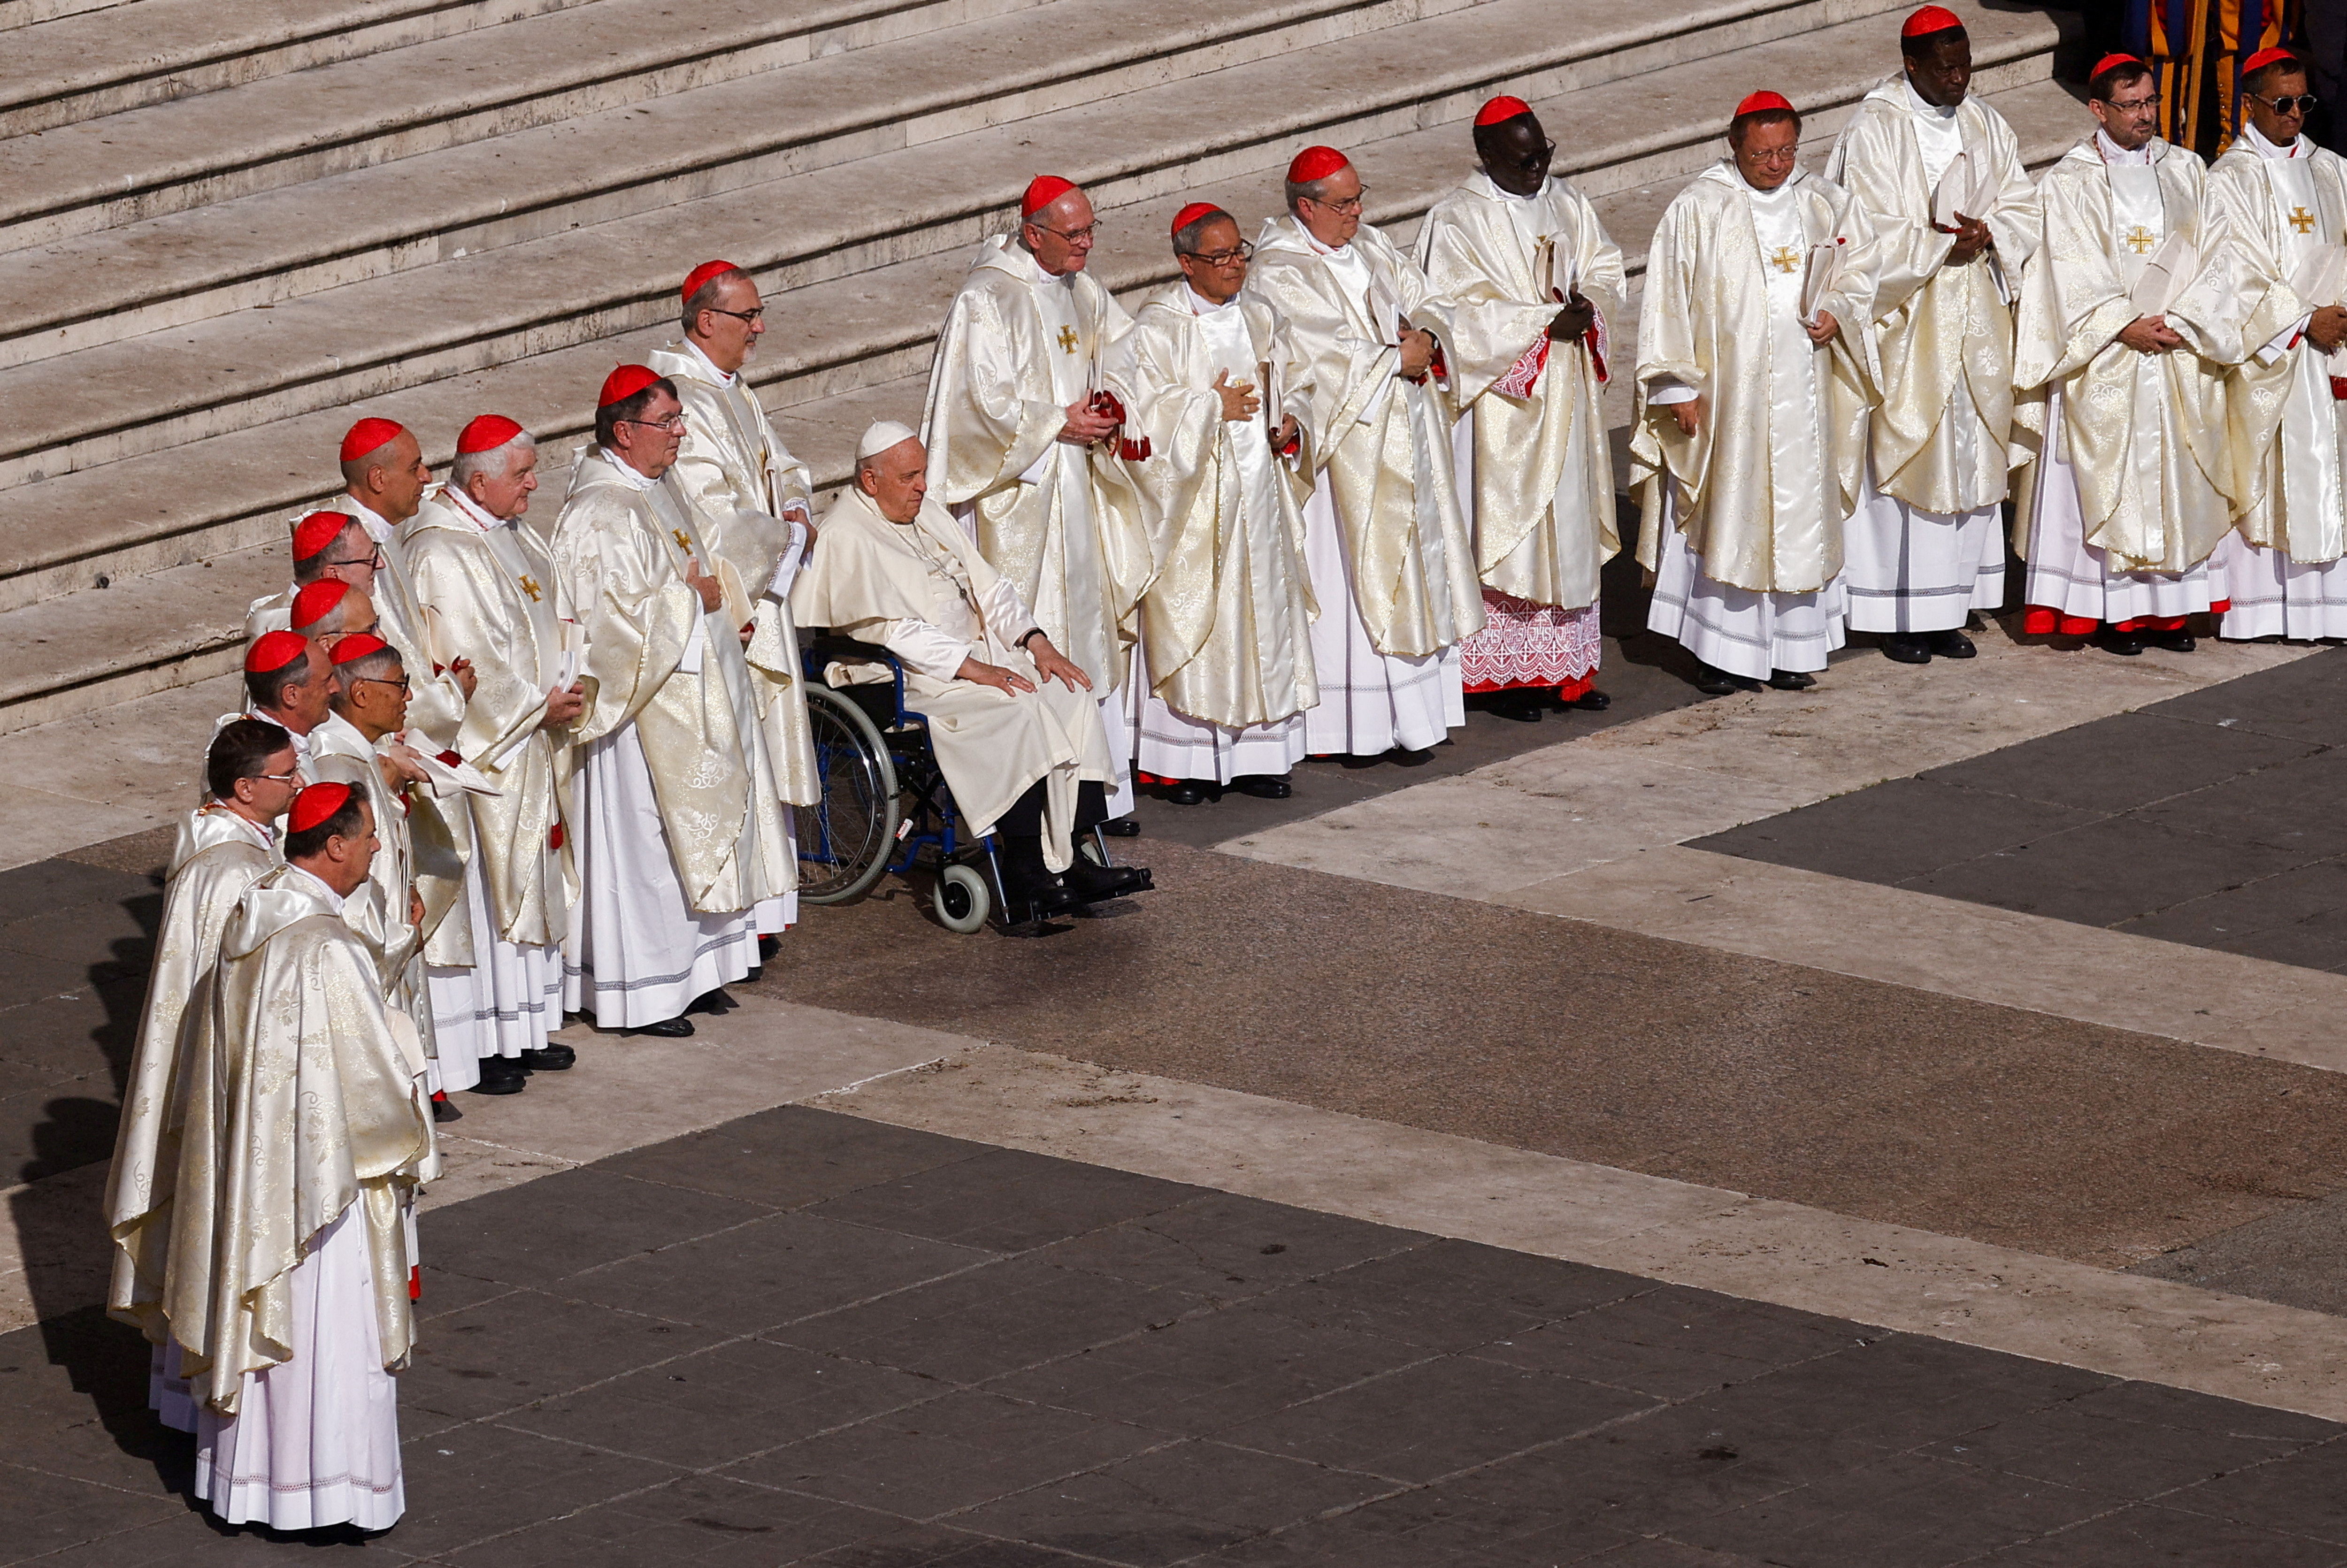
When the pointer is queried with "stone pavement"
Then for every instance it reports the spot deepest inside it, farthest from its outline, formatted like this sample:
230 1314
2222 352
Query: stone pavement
801 1336
1595 1144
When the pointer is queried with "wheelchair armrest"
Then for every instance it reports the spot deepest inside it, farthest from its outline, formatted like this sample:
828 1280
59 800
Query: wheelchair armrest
825 645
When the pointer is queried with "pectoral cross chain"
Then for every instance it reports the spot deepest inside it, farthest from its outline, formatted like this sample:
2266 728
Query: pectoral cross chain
1067 339
2302 219
1785 259
2139 240
530 587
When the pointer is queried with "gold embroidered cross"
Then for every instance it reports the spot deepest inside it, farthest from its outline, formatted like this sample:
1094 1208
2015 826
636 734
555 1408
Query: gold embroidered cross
1784 258
530 587
2302 219
2138 239
1067 339
682 542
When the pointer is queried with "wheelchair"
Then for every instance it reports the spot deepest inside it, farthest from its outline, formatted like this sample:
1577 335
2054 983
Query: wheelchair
886 807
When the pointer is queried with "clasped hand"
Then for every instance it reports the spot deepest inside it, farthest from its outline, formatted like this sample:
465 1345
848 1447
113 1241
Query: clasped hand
564 704
2150 335
2326 329
1577 317
1084 426
1239 400
1972 238
1417 351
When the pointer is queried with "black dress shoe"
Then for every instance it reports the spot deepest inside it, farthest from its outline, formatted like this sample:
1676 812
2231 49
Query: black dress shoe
2177 641
501 1075
766 945
1121 827
1713 682
1792 680
1188 791
548 1059
1906 648
1591 701
2126 644
1523 707
714 1004
1951 645
667 1029
445 1109
1264 786
1091 882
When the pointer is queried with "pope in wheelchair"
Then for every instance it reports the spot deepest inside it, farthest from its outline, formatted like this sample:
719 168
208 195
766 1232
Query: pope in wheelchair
1011 722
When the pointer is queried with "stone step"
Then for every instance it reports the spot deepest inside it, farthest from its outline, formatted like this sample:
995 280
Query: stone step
81 66
145 634
91 289
15 14
119 401
580 56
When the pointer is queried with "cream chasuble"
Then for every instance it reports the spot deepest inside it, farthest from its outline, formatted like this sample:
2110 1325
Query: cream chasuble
1227 624
1019 345
435 704
218 855
1944 333
2137 441
303 1100
1537 480
740 478
1759 492
657 661
922 591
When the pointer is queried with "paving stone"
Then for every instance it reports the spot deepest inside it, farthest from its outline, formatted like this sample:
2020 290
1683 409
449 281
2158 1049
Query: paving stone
1898 830
46 1513
935 1546
113 936
2126 760
2304 701
189 1542
1451 1294
2295 916
700 1519
1673 1342
48 886
2109 872
1424 1421
777 1270
986 1322
1007 1200
526 1346
954 1452
790 1157
550 1229
2305 1494
2297 1257
1206 1374
721 1405
1226 1247
1329 1544
73 1399
1170 1504
1905 1513
30 977
471 1482
87 1028
2147 1536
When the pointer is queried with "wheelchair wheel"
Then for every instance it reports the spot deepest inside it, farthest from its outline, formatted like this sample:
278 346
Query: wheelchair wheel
844 841
964 900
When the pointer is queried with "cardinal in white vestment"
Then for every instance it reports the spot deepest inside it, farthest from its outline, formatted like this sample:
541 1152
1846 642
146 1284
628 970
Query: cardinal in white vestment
223 846
1531 277
1021 442
488 588
288 683
755 501
306 1132
1227 624
1939 175
2134 308
1010 718
1392 565
1748 437
674 797
2282 571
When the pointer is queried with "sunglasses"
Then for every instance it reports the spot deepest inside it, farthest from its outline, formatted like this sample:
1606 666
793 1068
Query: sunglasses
2302 104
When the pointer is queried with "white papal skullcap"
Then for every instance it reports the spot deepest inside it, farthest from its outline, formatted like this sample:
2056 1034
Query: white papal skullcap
882 435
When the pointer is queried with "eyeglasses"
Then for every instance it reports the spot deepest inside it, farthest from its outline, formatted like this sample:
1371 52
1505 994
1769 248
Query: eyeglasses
1222 258
673 423
373 559
1536 160
2302 104
275 778
2140 106
1782 155
757 315
1082 236
361 680
1350 204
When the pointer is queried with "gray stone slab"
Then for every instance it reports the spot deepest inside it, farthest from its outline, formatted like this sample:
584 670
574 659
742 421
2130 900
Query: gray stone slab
1226 1247
551 1228
526 1346
2107 871
2295 916
1899 830
2126 760
1672 1343
2297 1255
693 1519
790 1157
2305 700
1451 1295
2147 1534
46 887
1005 1200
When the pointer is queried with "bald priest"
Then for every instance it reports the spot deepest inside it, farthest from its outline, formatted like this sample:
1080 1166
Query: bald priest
1022 437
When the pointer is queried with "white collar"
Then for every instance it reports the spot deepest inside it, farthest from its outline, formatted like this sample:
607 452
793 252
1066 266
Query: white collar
1202 307
2298 147
1334 253
473 510
300 738
260 833
1036 273
1754 191
377 527
317 885
1917 107
633 479
2114 154
724 377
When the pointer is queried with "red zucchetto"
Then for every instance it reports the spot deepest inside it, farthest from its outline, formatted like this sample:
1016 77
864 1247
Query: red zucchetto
273 651
625 382
317 600
487 434
316 804
368 434
1315 163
